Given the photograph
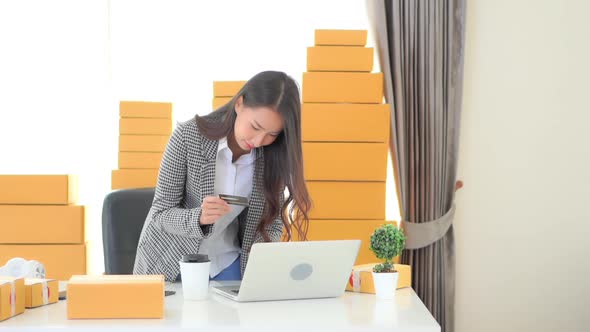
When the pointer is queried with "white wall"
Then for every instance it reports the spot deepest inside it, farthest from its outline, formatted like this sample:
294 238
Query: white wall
523 223
65 64
57 115
174 50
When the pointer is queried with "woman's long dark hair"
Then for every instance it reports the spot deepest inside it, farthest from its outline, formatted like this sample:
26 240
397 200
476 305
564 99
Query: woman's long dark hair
283 161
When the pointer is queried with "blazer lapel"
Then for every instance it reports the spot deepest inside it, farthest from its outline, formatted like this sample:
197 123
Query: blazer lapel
257 201
209 150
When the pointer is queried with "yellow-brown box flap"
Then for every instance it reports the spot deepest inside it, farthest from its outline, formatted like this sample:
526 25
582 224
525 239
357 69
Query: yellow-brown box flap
145 126
341 37
38 189
41 224
227 88
345 161
145 109
134 160
40 292
220 101
340 58
116 296
134 178
332 122
143 143
347 200
342 87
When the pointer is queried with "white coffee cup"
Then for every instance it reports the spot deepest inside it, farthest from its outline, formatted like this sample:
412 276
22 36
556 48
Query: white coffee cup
194 272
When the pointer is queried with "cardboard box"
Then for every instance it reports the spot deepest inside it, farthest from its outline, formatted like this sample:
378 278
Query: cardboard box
12 297
140 159
41 224
145 126
227 88
347 200
361 278
322 230
116 296
134 178
342 87
340 58
220 101
143 143
345 122
345 161
341 37
61 261
40 292
143 109
38 189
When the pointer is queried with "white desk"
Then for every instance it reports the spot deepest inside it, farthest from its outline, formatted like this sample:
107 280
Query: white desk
350 312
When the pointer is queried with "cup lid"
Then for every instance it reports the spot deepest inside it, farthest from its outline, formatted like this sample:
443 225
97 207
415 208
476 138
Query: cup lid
195 258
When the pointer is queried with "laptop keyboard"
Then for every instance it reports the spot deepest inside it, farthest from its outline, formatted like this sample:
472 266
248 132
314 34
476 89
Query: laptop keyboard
230 289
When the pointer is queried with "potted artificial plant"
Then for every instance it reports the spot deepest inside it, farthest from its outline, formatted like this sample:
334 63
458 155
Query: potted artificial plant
387 242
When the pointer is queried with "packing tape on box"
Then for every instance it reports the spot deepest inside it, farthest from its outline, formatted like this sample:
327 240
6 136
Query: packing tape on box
12 298
45 290
356 280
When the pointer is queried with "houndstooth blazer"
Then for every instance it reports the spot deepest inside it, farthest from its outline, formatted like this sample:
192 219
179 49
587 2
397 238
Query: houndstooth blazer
187 175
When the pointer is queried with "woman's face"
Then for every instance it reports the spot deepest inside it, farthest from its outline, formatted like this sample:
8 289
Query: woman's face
256 127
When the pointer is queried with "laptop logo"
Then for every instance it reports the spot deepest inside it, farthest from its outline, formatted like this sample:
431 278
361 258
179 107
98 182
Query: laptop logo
301 271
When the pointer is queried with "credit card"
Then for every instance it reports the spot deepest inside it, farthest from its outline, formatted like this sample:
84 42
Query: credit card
235 200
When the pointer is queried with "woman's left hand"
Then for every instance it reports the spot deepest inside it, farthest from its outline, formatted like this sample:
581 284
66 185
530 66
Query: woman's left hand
212 209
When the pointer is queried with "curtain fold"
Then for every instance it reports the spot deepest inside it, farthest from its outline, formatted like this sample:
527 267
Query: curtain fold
420 46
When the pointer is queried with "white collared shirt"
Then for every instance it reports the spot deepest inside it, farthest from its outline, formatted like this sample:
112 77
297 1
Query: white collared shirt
234 178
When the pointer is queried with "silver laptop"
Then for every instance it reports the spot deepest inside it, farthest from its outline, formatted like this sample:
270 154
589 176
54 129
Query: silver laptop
294 270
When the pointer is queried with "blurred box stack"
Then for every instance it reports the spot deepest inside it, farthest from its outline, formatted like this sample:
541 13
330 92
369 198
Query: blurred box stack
144 131
40 220
345 132
224 91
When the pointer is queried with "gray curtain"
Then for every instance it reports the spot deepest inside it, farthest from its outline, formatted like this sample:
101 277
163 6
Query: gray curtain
421 45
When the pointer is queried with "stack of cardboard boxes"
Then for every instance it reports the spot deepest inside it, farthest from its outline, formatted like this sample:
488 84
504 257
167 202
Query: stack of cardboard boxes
345 132
224 91
39 220
144 128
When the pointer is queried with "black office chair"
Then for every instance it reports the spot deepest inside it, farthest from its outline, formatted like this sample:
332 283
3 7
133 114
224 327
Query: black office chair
123 215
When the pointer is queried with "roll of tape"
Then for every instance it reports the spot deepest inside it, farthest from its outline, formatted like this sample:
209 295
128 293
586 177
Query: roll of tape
45 290
12 298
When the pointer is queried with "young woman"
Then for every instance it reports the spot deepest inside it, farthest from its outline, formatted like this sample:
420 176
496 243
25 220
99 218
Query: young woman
249 147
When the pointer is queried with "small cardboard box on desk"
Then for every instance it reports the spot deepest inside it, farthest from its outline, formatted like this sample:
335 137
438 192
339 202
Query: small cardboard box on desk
12 297
361 278
40 292
115 296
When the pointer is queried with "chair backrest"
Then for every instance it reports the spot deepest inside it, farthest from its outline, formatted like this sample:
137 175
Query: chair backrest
123 215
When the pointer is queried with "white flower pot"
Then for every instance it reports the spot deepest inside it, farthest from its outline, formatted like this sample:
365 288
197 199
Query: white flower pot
385 284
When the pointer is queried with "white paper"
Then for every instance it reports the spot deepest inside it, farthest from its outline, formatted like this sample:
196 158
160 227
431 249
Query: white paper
227 219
